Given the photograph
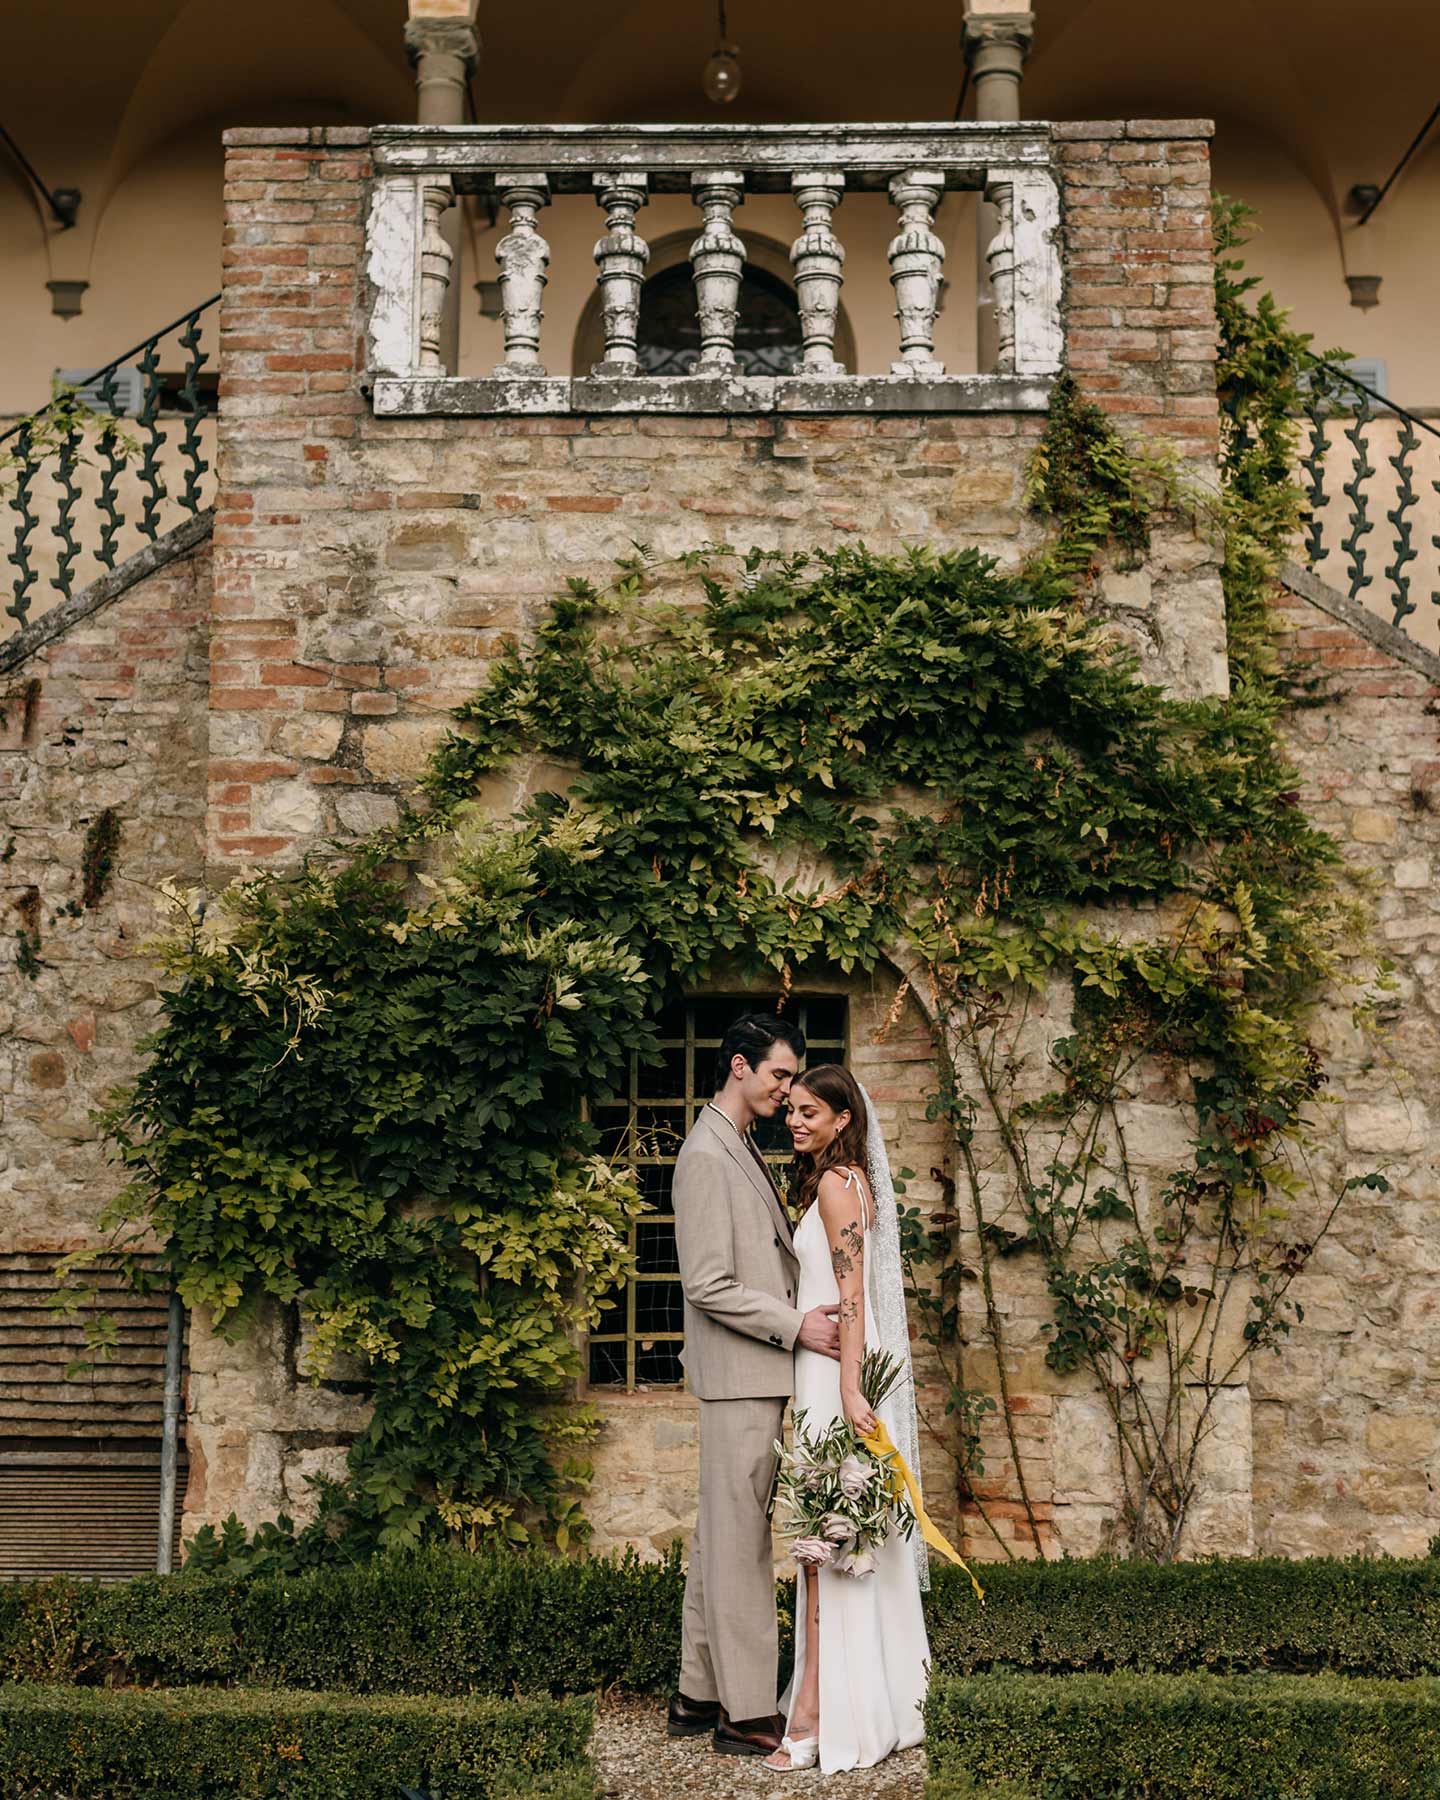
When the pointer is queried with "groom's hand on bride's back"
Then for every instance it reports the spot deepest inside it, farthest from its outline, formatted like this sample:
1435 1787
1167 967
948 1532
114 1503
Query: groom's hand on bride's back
819 1332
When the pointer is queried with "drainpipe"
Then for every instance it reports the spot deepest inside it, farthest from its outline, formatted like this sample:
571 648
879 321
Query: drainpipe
444 47
997 41
170 1436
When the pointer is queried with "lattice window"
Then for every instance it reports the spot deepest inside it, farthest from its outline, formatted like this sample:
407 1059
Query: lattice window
637 1343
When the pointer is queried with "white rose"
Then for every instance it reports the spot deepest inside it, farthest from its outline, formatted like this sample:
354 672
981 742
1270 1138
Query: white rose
812 1550
853 1476
836 1528
857 1563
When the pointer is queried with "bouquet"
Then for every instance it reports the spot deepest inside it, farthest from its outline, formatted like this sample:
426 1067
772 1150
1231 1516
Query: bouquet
839 1500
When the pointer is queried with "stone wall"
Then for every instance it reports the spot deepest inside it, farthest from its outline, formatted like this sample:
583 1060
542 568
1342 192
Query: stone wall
1347 1419
366 570
113 715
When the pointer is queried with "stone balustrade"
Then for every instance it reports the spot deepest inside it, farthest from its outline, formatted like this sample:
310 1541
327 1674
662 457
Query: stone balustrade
421 171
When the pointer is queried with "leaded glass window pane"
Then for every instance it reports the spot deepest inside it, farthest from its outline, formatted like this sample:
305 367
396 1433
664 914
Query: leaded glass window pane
637 1342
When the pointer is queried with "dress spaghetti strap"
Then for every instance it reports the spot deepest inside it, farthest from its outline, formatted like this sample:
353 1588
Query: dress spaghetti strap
852 1179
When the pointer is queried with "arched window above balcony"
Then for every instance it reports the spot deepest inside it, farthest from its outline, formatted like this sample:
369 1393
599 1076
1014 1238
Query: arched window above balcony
767 332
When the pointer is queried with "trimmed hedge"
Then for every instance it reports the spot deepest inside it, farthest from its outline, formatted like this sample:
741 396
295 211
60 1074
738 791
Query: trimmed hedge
437 1622
444 1622
1357 1616
233 1744
1182 1737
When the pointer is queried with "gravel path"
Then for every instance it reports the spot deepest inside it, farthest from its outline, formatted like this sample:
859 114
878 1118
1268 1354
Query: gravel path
637 1761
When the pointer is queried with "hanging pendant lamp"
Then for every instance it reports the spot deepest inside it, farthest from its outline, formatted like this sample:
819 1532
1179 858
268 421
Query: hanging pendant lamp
720 77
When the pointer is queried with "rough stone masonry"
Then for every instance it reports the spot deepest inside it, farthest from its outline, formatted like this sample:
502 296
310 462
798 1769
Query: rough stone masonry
365 570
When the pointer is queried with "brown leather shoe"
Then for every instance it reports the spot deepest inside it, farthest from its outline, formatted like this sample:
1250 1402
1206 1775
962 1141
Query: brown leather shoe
688 1718
748 1737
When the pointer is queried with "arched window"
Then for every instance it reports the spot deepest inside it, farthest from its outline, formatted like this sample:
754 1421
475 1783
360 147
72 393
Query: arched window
767 332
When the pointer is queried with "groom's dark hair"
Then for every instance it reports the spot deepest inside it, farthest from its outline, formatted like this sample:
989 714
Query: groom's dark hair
751 1037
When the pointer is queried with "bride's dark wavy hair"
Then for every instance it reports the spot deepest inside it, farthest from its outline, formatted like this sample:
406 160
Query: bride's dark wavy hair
838 1088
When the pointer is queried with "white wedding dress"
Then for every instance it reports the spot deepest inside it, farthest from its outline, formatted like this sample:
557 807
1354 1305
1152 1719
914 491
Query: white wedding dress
874 1655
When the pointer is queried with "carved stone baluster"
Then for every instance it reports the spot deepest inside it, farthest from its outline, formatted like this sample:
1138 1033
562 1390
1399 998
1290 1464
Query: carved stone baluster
916 258
819 259
1000 257
523 256
621 256
718 257
1025 271
436 254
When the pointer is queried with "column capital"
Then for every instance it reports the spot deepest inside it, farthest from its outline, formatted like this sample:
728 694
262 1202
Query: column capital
442 37
1006 29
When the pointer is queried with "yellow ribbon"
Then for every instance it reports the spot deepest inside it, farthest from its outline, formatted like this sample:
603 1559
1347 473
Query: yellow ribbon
878 1443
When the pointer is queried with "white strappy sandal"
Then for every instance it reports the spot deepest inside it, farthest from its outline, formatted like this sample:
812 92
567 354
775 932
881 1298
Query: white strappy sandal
804 1753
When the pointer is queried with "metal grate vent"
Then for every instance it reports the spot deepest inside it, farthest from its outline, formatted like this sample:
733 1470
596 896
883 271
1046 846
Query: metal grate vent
1367 370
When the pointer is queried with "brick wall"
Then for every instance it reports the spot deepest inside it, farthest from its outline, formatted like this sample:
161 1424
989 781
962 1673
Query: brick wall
1140 297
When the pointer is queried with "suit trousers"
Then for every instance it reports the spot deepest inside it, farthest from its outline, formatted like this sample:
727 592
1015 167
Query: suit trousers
730 1646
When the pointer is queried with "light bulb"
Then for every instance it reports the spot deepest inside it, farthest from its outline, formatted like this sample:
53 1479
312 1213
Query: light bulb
721 76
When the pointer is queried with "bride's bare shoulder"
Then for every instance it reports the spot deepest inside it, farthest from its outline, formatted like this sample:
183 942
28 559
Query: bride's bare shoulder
842 1187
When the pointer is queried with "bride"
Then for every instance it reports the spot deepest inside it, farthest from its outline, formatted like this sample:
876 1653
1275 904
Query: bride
861 1654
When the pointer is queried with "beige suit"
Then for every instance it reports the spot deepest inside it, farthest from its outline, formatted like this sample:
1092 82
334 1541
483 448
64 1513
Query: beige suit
739 1274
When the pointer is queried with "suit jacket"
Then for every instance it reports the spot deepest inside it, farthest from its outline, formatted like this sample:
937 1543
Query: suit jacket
738 1268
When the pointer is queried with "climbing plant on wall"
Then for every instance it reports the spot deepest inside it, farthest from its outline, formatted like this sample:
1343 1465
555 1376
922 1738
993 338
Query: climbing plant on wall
368 1095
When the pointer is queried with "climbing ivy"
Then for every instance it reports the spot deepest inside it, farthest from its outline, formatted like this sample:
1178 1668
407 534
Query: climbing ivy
1160 1288
369 1092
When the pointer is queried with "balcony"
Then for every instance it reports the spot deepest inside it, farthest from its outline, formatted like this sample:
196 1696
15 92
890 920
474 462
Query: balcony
420 172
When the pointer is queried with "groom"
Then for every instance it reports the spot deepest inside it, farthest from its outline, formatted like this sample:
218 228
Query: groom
738 1270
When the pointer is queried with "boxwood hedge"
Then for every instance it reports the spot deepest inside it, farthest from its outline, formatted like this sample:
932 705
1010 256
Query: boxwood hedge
1354 1616
1181 1737
444 1622
238 1744
437 1622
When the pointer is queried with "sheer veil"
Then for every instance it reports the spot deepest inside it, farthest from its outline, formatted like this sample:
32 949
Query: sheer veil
886 1295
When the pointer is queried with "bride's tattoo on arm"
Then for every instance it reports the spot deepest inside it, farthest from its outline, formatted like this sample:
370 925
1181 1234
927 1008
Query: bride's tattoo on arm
846 1236
849 1250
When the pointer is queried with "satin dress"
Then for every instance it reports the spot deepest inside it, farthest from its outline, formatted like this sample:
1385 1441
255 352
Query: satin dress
874 1654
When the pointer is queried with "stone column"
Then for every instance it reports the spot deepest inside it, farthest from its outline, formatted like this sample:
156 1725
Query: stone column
997 39
444 47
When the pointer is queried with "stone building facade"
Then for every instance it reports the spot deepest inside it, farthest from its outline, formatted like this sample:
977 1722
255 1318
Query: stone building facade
365 569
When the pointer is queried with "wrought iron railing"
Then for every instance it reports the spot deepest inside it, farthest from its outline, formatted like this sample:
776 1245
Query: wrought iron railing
104 470
1371 471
